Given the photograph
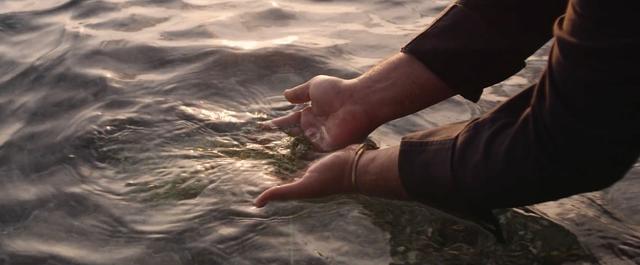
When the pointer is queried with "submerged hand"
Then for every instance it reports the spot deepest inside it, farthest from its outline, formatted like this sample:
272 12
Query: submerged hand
377 175
329 175
333 120
344 112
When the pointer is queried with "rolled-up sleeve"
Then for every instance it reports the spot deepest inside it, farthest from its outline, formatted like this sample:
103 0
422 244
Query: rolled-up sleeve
478 43
576 130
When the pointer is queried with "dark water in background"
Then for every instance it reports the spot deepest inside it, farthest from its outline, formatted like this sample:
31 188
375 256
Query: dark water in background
127 136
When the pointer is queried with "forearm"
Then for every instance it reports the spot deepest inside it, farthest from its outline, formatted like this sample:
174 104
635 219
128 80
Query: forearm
541 144
377 174
397 87
402 85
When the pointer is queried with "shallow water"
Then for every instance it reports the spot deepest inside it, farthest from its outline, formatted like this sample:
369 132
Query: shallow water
128 136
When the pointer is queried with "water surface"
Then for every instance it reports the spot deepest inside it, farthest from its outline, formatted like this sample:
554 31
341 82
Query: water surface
128 136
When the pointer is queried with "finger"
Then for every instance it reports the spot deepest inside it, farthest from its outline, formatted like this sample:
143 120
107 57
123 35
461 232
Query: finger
308 122
267 126
298 94
289 123
314 129
279 193
289 120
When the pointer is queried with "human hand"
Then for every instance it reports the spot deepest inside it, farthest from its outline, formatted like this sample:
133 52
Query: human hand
329 175
343 112
333 120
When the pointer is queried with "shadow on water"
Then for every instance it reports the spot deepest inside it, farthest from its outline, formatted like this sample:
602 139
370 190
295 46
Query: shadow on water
420 235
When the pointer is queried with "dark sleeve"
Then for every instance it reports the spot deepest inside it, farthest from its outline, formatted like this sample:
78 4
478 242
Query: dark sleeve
577 130
478 43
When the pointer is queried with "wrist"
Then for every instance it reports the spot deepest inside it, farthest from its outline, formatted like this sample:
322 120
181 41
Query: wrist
362 105
359 152
367 95
348 172
377 174
401 84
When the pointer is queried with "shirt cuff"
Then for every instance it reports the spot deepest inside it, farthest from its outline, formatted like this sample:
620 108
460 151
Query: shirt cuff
425 166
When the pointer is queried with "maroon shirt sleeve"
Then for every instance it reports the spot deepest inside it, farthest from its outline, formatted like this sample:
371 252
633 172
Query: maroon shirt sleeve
577 130
477 43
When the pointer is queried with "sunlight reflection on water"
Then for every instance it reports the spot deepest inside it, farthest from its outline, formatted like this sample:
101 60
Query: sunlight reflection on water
130 137
251 45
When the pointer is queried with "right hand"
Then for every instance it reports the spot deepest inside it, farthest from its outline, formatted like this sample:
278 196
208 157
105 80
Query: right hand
327 176
333 120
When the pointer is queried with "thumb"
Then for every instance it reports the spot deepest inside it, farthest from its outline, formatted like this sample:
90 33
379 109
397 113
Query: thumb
299 94
280 193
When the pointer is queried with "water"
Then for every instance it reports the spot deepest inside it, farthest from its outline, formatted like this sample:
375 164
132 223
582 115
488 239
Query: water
128 136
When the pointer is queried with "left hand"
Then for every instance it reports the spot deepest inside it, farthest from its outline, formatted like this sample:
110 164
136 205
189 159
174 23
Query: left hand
329 175
336 116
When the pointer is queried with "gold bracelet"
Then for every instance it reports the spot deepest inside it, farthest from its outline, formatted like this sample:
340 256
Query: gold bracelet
367 145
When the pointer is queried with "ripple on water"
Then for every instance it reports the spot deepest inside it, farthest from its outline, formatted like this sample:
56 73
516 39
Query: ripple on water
19 6
270 17
93 9
130 23
197 32
129 136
